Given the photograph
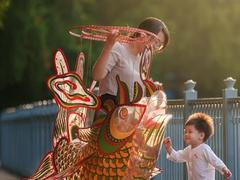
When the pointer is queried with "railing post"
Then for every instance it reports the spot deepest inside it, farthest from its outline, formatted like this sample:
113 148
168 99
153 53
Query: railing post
230 91
189 94
229 134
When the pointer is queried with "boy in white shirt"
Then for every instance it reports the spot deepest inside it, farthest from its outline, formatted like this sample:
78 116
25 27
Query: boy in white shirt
200 159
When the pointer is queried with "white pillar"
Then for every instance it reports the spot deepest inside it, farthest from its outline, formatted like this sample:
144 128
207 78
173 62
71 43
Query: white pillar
230 91
190 93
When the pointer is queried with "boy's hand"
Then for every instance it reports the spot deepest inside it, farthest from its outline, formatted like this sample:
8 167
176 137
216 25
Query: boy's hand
168 144
227 173
111 38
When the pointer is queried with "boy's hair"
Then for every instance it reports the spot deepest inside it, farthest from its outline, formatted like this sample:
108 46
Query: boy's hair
155 25
203 123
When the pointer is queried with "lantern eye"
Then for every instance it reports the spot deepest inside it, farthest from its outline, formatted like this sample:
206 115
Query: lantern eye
123 113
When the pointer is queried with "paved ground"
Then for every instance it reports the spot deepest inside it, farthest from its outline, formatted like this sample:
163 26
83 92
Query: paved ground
5 175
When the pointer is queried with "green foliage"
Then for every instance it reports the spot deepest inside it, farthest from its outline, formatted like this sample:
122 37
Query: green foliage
4 4
204 42
32 32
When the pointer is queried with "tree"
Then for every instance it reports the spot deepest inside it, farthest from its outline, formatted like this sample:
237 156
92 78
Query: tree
4 4
203 47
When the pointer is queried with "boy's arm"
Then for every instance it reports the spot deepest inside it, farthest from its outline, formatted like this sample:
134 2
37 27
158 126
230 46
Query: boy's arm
176 156
99 70
217 162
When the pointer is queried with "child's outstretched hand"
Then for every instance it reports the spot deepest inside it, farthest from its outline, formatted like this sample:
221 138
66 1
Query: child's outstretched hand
227 173
168 144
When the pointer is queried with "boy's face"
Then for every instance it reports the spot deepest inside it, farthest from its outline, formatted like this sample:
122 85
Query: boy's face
158 45
192 136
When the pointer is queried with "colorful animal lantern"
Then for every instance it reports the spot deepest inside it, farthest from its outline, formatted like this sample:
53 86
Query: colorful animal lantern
122 141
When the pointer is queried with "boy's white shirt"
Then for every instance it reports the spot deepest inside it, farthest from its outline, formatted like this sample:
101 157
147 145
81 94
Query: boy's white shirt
201 161
123 63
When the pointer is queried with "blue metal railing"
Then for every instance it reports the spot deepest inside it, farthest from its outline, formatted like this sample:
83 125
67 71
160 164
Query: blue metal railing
26 134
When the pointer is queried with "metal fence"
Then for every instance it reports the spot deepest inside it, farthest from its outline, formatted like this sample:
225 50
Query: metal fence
25 132
226 140
25 136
